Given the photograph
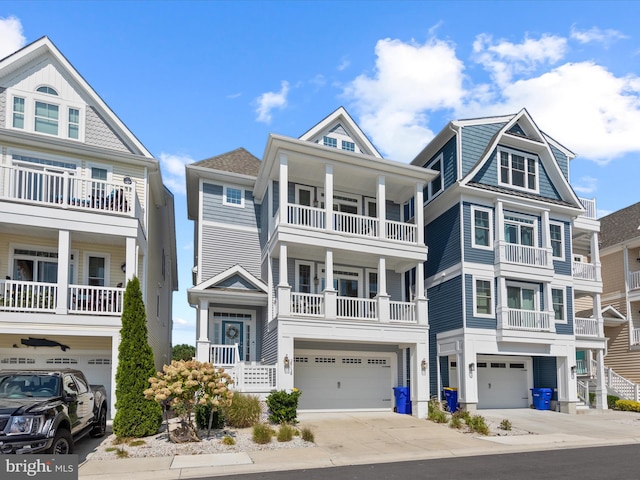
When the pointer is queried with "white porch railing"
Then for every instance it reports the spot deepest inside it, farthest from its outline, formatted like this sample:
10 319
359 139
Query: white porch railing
583 391
65 191
307 304
581 367
401 232
590 206
523 254
224 355
357 308
306 216
623 387
586 327
253 378
530 320
634 280
96 300
402 312
585 271
355 224
635 336
19 296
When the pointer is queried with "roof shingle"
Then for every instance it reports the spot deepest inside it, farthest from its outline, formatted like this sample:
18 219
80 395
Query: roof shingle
620 226
237 161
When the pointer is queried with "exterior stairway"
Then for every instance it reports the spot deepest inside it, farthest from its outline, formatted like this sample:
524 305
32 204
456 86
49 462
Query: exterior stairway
616 385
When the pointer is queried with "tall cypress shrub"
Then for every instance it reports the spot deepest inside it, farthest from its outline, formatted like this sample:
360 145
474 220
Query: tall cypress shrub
135 415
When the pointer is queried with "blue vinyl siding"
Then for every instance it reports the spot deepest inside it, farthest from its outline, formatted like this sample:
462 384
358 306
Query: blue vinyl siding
545 373
214 210
477 322
475 140
562 161
564 267
488 174
449 164
445 313
471 254
443 239
547 189
567 328
275 199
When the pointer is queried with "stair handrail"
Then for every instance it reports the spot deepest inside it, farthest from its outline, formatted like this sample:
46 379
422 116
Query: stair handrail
625 389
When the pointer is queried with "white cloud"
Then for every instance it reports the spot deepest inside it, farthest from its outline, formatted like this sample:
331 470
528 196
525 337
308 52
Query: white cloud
585 185
392 103
344 64
504 60
11 37
232 96
173 172
271 100
595 34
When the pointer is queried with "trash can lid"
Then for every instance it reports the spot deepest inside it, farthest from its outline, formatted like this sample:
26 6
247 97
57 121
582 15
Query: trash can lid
450 388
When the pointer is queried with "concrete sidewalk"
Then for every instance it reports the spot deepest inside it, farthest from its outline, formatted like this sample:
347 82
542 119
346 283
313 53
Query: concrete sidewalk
383 437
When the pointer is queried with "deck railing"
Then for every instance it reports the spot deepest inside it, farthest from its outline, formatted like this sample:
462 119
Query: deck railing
635 336
585 271
224 355
583 391
357 308
355 224
589 205
586 327
623 387
530 320
96 300
523 254
306 216
19 296
401 232
634 280
62 190
307 304
402 312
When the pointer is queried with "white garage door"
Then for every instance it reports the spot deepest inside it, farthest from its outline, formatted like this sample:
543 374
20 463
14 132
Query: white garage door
503 382
336 381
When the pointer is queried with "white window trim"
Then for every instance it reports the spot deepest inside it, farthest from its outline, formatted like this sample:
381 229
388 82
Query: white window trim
529 286
526 156
564 304
491 281
312 271
430 193
336 275
367 285
340 201
367 202
30 99
24 246
521 219
305 188
108 168
561 225
107 267
475 208
230 204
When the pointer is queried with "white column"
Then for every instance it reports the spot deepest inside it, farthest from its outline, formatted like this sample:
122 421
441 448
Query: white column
270 299
419 213
328 270
546 232
330 294
595 255
384 307
625 256
270 208
115 347
285 363
284 189
64 248
601 386
382 276
382 207
499 221
422 312
328 198
597 313
284 289
131 258
549 305
567 382
502 302
283 281
420 384
203 345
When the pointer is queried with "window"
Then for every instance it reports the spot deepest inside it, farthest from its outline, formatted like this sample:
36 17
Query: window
434 186
556 231
73 126
557 298
483 298
97 271
330 142
409 210
304 278
35 266
47 90
482 231
372 284
349 146
518 170
519 230
46 118
233 196
18 112
522 297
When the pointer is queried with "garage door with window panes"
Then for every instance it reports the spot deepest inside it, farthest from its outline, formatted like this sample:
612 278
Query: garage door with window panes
503 383
343 381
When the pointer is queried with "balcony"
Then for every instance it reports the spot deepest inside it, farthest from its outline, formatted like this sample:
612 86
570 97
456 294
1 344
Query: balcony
525 320
634 281
350 308
351 224
635 336
33 297
523 255
585 271
586 327
61 190
589 205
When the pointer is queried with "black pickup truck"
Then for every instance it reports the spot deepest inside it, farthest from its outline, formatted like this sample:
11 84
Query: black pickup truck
46 411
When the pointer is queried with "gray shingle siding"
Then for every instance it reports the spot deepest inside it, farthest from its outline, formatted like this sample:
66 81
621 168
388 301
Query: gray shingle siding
445 313
443 239
99 133
223 248
471 254
475 139
471 320
214 210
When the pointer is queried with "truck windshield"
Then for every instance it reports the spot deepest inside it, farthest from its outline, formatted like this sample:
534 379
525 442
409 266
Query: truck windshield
24 385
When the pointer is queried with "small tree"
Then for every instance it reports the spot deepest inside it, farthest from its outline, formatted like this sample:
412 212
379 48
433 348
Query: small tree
135 416
183 352
185 384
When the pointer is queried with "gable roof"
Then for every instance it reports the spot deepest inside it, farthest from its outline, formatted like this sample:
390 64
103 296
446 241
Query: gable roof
230 272
45 47
236 161
620 226
341 121
207 289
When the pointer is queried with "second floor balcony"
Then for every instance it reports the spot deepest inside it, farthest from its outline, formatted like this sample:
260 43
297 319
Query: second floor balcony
525 320
525 255
634 281
586 327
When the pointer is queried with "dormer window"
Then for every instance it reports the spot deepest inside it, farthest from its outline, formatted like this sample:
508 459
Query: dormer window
349 146
330 142
518 169
47 90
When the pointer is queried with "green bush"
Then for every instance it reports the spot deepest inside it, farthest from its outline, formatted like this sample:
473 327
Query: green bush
505 425
478 424
229 441
456 422
611 401
183 352
628 405
262 433
202 417
283 406
135 416
285 433
307 435
245 411
436 414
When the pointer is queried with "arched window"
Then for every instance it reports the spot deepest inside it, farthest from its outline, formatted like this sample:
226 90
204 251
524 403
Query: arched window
48 90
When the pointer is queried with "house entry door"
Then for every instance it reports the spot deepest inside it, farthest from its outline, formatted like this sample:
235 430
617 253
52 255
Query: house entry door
232 333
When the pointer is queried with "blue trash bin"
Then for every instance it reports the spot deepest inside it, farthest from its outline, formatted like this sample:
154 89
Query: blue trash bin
541 398
451 396
403 404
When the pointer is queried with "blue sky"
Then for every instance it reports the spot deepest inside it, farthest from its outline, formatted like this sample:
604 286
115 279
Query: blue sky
196 79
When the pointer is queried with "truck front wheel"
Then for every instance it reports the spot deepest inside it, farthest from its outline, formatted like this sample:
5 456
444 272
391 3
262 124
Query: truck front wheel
62 443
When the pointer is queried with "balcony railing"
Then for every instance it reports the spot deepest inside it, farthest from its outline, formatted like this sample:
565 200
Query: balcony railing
529 320
306 216
402 312
307 304
357 308
19 296
224 355
635 336
581 367
634 280
589 205
585 271
96 300
523 254
355 224
586 327
62 190
402 232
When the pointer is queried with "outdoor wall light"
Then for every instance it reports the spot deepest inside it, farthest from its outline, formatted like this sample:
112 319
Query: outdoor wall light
123 267
316 280
287 363
472 367
573 371
127 180
423 364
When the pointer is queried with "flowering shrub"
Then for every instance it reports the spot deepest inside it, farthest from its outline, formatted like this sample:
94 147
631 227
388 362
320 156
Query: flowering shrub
283 406
185 384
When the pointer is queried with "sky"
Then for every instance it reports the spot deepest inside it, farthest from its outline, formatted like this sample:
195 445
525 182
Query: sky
194 80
